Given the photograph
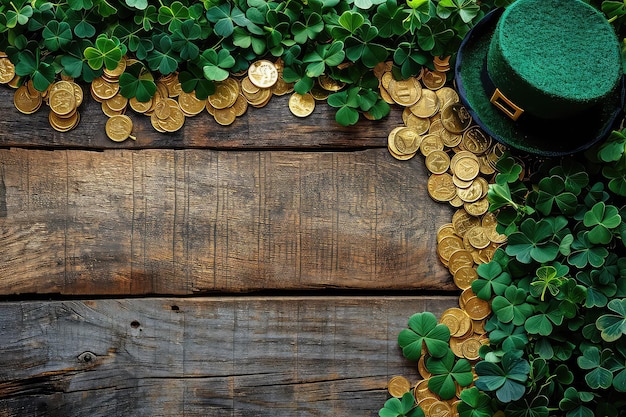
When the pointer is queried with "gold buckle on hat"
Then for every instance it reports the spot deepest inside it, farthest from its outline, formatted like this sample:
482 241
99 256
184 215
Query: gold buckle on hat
507 106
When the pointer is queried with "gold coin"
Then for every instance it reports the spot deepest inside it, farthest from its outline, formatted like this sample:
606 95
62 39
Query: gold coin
405 92
399 156
190 104
421 367
440 187
103 89
406 141
118 128
330 84
398 386
319 93
62 102
446 96
117 71
477 208
437 162
258 99
456 201
381 68
485 166
109 111
117 103
449 139
444 230
465 295
225 116
448 246
459 182
459 260
225 94
433 80
431 143
470 348
384 94
427 105
463 222
478 327
263 73
26 103
385 80
464 276
435 126
175 121
421 392
7 70
456 345
439 409
248 87
241 106
162 109
470 194
476 141
477 237
63 124
477 309
209 108
465 165
456 118
465 323
15 82
301 105
156 123
419 124
139 106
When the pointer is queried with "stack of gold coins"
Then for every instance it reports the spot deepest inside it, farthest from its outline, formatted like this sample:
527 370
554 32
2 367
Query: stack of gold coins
442 63
64 97
227 102
280 88
27 99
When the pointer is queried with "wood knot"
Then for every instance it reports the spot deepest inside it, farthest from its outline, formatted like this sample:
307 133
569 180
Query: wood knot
87 358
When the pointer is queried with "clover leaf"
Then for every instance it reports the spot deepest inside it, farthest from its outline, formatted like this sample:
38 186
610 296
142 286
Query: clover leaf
613 326
173 15
447 373
162 58
512 307
474 404
552 192
138 82
401 408
389 19
573 403
57 35
308 29
535 240
30 64
492 280
549 278
361 47
573 174
183 37
137 4
537 407
424 331
546 315
409 58
217 64
507 378
225 18
466 9
584 252
106 51
194 80
329 55
595 360
19 14
602 218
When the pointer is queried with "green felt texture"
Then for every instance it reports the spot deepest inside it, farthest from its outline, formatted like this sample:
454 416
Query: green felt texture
549 137
545 57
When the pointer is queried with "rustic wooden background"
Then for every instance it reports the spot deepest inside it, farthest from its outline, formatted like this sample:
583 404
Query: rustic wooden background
264 268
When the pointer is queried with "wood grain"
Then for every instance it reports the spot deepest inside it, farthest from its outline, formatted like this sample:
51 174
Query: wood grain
192 221
243 356
271 127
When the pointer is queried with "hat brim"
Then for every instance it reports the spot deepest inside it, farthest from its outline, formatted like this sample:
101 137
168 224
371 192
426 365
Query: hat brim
546 137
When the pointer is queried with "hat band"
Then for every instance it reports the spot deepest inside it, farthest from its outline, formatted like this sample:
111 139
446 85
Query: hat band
505 105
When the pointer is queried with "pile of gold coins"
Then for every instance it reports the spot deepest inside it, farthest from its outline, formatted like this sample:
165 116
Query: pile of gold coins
461 161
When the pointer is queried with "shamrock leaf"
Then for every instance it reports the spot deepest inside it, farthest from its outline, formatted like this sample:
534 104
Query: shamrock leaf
492 280
613 326
401 408
351 21
348 103
424 331
534 241
603 218
549 278
308 29
19 14
506 378
193 80
552 192
329 55
57 35
137 4
182 40
512 307
573 403
474 404
389 19
465 9
584 252
162 58
573 174
593 359
106 51
409 58
217 64
137 81
173 15
29 64
537 407
546 315
225 18
361 47
446 374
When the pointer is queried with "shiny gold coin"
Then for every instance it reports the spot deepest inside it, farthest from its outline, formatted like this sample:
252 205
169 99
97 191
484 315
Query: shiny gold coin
465 295
118 128
384 94
448 246
437 162
248 87
465 323
174 88
431 143
263 73
330 84
258 99
463 222
456 118
63 124
477 208
427 105
477 309
407 141
456 202
15 82
24 102
281 87
470 348
405 92
319 93
190 104
381 68
439 409
62 102
433 80
419 124
477 237
449 139
478 327
398 386
117 103
138 106
225 116
391 146
440 187
459 260
162 109
459 182
241 106
109 112
464 276
421 367
7 70
301 105
446 96
485 166
174 121
476 141
456 345
421 392
209 108
386 80
444 230
436 127
103 89
156 123
225 94
465 165
117 71
470 194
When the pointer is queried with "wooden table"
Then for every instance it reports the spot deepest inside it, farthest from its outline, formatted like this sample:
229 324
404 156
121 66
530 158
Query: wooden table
260 269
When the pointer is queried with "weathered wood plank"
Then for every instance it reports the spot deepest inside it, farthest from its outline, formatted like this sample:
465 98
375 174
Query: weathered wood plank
189 221
243 356
270 127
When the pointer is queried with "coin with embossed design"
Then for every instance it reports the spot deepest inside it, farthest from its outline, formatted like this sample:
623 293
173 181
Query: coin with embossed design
118 128
301 105
398 386
263 73
456 118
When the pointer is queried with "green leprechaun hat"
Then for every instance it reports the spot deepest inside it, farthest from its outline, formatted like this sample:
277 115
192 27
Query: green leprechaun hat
542 76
